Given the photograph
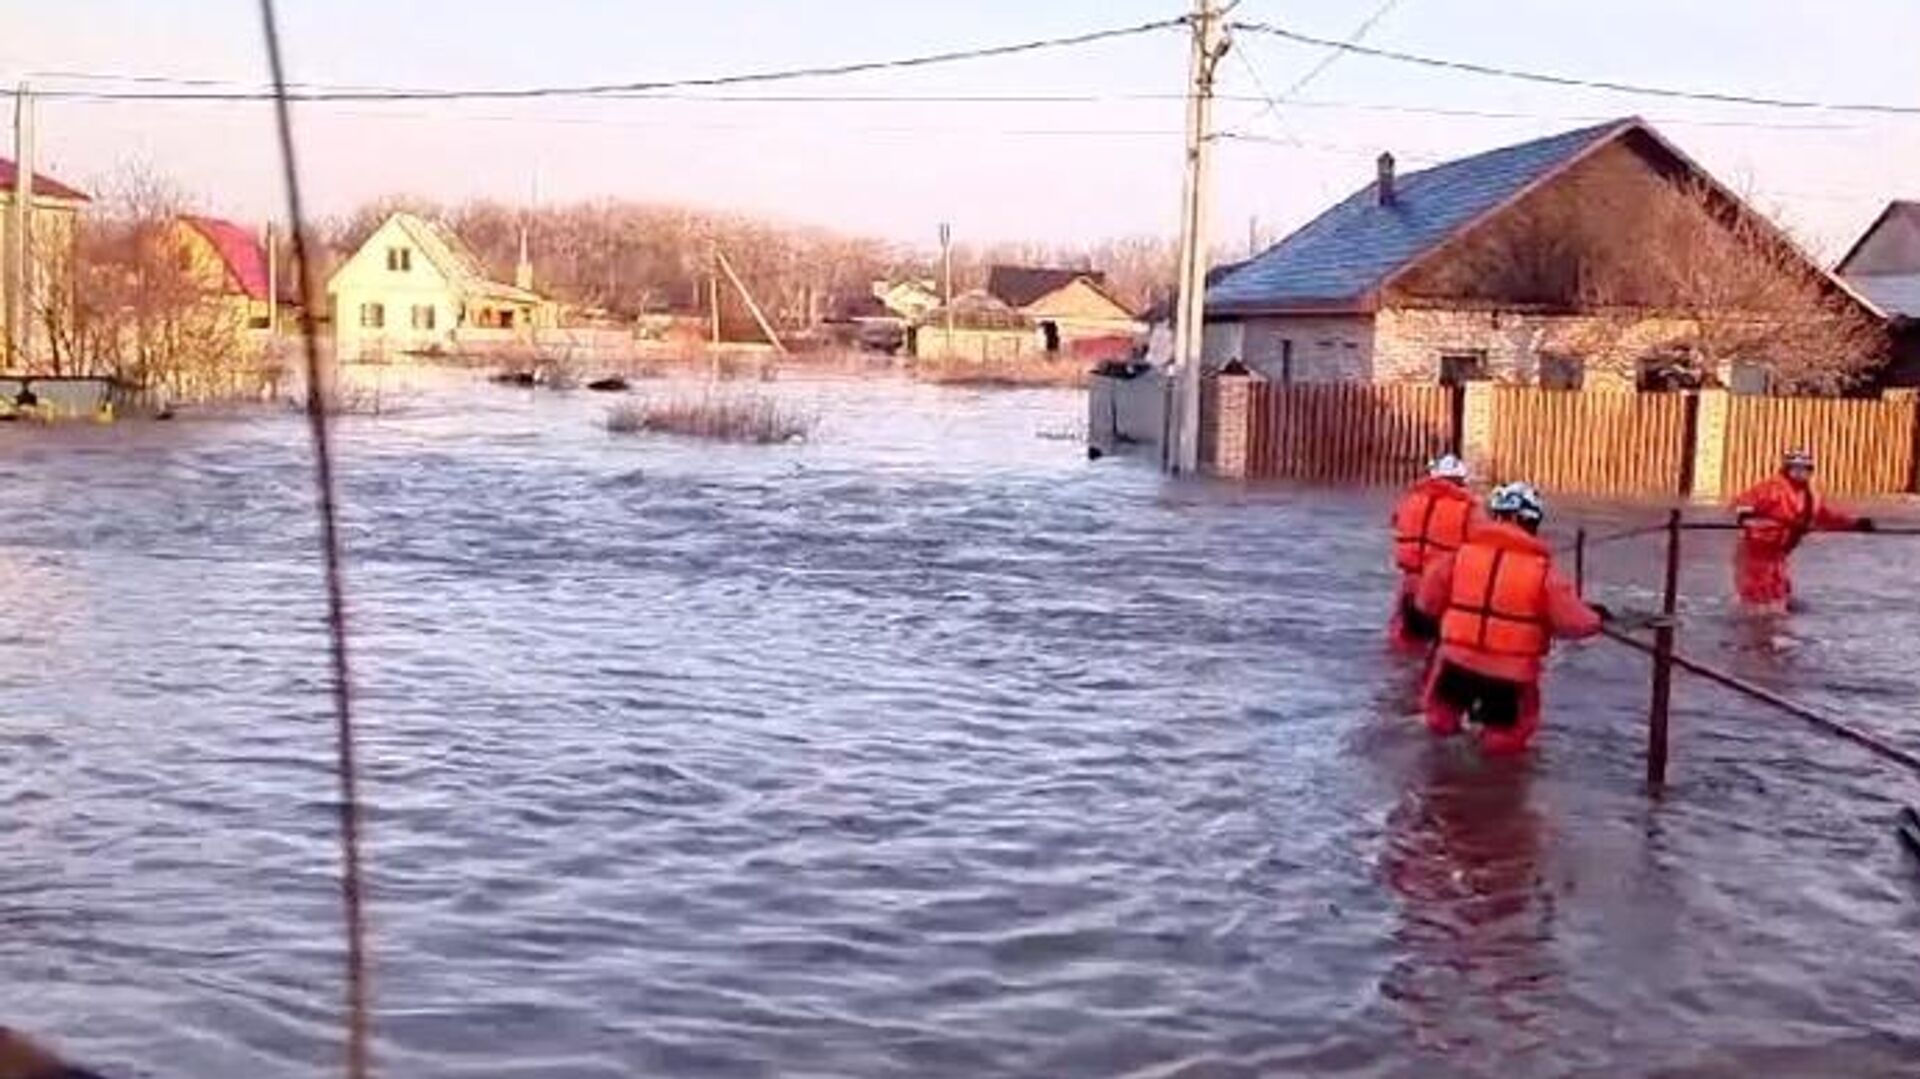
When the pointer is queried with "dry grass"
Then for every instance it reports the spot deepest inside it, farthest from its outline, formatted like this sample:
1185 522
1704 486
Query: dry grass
1006 374
726 417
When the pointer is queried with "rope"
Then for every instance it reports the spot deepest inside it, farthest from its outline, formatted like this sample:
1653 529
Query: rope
1740 685
1611 537
353 909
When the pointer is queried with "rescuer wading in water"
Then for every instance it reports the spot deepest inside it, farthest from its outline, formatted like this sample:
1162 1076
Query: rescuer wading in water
1775 517
1431 520
1500 603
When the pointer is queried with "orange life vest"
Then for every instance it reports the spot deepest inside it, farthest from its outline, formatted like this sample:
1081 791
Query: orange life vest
1431 521
1499 600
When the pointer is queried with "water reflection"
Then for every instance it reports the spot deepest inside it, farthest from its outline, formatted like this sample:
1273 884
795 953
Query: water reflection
1475 916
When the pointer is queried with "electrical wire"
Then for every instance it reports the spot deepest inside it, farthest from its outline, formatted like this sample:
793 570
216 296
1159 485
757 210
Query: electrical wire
636 87
353 908
1470 67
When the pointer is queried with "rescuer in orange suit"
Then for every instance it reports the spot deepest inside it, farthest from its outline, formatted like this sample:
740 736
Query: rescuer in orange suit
1431 520
1775 518
1500 603
20 1058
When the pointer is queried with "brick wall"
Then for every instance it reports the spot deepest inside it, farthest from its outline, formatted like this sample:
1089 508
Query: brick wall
1409 342
1323 348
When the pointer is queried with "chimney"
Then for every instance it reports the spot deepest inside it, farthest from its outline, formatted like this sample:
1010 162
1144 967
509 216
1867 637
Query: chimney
1383 190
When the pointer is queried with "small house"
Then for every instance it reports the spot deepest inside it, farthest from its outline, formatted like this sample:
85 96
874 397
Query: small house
56 208
231 265
979 328
415 287
1068 307
1884 265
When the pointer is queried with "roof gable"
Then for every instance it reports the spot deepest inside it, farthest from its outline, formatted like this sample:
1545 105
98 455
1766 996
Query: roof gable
242 255
44 186
1342 257
443 252
1018 286
1891 245
1079 298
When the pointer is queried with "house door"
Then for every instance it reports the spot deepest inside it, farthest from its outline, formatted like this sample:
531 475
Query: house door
1050 334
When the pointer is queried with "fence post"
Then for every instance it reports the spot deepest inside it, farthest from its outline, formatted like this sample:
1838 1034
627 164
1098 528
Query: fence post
1227 424
1707 452
1658 708
1474 430
1906 398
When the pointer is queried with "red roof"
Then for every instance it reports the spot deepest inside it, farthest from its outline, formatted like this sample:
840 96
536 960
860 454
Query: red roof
240 249
44 186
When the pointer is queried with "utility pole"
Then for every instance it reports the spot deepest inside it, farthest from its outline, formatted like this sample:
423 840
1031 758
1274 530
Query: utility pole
1209 45
946 275
1253 235
20 261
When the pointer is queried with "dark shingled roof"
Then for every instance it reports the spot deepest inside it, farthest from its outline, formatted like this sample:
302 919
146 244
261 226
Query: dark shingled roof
1339 258
1018 286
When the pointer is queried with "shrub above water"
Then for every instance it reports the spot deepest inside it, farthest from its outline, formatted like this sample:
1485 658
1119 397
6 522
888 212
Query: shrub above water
727 417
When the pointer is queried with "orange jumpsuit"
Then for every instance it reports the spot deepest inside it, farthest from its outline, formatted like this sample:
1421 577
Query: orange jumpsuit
1432 520
1500 603
1780 514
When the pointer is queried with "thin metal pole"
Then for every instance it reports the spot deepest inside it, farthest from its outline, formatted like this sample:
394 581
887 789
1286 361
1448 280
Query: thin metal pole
359 1051
946 284
1659 708
1580 560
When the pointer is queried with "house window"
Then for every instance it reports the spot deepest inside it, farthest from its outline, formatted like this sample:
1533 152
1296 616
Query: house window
1666 372
373 316
1286 361
1460 368
1050 333
423 316
1750 379
1562 372
400 259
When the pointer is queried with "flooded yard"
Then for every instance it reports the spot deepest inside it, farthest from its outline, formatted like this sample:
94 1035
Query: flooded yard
926 748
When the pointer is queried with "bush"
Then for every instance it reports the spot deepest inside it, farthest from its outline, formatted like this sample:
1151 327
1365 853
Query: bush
724 417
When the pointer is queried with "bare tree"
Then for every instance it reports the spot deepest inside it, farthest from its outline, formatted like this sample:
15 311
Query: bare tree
1646 267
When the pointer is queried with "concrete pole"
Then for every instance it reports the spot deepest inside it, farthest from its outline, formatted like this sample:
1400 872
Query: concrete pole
946 277
1209 45
20 262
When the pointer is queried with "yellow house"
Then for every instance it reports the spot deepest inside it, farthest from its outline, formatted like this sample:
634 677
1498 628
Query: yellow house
1068 306
229 263
415 286
55 209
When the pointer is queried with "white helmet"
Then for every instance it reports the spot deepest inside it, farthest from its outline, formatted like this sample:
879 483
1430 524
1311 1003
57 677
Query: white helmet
1519 501
1448 467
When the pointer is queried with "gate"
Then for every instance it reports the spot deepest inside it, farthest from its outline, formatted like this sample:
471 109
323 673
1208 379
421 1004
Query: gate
1595 442
1341 432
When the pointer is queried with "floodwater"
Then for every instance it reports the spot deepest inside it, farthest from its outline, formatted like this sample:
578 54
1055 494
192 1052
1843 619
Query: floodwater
927 749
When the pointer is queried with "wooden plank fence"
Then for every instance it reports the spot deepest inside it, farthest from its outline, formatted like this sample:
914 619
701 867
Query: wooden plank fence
1600 442
1863 446
1346 432
1595 442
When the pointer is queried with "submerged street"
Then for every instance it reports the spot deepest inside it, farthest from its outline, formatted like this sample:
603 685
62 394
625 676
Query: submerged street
927 748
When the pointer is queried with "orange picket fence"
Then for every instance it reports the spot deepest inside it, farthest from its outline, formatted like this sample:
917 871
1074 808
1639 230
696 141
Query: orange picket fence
1594 442
1346 432
1863 446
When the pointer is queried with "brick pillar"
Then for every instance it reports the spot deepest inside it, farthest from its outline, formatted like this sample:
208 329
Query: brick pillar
1709 449
1224 426
1476 429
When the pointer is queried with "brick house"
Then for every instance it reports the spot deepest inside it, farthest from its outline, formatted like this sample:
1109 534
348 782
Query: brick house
1472 270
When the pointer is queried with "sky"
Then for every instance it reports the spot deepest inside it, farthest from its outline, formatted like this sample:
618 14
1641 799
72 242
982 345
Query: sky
1105 164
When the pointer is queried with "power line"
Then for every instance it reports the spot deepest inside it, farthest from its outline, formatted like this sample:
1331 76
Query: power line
1470 67
639 87
1273 105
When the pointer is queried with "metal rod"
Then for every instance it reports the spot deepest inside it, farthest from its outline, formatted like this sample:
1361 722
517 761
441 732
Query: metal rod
1580 560
1660 707
1740 685
359 1063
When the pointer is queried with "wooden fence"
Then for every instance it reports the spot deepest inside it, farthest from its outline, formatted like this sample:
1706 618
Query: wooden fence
1346 432
1862 446
1599 442
1707 445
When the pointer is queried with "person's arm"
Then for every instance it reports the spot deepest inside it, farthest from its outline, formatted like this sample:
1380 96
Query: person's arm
1755 501
1567 613
1826 518
1436 587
